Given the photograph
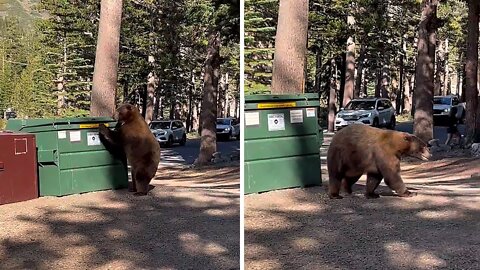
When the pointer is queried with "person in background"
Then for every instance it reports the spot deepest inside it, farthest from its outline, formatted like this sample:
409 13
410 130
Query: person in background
452 130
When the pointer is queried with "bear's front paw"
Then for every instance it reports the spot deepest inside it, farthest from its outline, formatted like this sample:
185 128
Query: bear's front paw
102 128
335 196
372 196
408 194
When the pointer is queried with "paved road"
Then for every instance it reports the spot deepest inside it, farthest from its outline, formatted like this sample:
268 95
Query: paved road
187 154
439 132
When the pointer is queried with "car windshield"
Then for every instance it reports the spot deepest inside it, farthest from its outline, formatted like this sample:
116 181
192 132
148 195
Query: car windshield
442 101
223 121
160 125
361 105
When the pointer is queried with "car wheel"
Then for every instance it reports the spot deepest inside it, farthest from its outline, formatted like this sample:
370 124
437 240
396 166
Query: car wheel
375 122
170 141
392 123
184 140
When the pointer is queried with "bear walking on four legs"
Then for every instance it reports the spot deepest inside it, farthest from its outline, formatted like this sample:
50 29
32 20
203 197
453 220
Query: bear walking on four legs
132 140
360 149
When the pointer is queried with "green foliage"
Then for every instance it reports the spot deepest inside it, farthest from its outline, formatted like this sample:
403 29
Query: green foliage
260 26
381 28
50 64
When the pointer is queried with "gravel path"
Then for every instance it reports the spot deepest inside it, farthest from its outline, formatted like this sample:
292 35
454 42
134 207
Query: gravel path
438 229
190 220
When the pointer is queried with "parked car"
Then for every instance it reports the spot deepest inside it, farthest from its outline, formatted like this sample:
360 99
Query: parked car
8 113
227 128
169 132
375 112
443 104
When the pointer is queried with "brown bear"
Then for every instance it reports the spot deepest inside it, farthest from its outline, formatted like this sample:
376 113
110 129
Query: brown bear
132 140
359 149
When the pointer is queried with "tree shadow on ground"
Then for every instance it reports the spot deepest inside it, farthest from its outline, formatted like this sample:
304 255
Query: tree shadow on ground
171 228
303 229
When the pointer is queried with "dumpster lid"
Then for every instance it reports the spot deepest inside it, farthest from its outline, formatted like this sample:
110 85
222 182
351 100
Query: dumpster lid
280 97
48 124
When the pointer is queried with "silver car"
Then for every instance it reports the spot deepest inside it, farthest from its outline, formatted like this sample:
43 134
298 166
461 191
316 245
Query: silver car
375 112
169 132
443 104
227 128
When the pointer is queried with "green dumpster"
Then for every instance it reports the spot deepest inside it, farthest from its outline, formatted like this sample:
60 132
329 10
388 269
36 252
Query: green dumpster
71 158
282 142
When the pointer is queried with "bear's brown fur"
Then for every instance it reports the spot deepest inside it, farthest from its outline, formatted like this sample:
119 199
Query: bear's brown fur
133 139
359 149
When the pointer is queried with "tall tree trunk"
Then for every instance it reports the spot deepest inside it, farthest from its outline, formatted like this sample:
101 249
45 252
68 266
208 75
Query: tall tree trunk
125 90
332 97
208 144
106 59
446 80
399 101
190 103
341 92
440 69
407 98
423 94
61 80
290 47
365 84
378 85
226 99
221 97
471 67
358 79
349 66
318 69
156 106
151 86
384 83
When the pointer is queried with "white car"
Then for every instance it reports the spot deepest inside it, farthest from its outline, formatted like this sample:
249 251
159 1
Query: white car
376 112
169 132
443 104
227 128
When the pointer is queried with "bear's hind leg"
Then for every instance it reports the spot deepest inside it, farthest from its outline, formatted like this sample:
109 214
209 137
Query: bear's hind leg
142 180
348 183
373 180
334 184
134 181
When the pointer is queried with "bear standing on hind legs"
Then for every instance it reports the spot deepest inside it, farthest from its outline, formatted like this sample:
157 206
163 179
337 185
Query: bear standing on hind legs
133 140
359 149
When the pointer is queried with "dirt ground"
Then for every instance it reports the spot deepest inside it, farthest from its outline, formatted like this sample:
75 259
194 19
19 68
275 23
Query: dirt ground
438 229
190 220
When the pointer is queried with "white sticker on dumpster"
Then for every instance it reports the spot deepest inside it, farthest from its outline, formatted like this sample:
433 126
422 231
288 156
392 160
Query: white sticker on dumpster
276 121
62 134
93 138
75 136
311 112
252 119
296 116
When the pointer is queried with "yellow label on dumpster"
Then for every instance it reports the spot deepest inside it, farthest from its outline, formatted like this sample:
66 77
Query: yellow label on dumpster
91 125
276 105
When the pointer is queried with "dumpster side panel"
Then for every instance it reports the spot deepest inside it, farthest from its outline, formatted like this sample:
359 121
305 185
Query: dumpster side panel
287 172
93 178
